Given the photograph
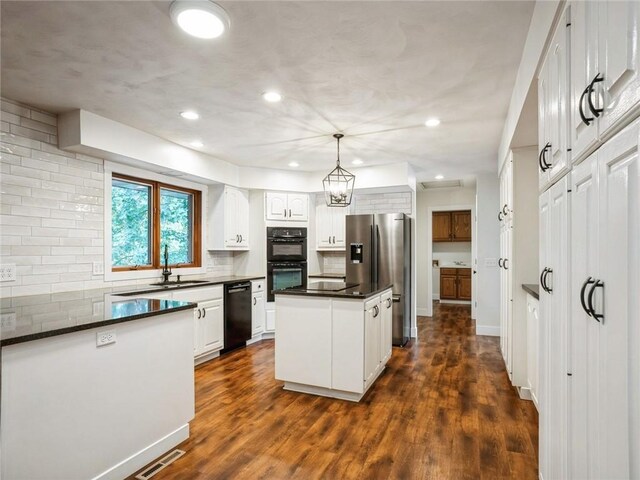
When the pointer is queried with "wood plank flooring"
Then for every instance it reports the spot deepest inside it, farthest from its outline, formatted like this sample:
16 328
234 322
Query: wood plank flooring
443 409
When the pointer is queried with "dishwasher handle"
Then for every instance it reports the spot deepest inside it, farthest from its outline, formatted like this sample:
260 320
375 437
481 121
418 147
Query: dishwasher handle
238 288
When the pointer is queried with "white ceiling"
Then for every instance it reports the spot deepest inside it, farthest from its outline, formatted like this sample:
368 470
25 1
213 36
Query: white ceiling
373 70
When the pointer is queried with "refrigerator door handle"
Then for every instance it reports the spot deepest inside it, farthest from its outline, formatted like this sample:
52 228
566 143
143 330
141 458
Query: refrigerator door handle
376 273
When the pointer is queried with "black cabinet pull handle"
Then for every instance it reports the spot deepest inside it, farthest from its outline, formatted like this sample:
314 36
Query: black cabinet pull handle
199 313
547 166
585 120
285 212
255 300
542 275
500 262
546 272
500 216
504 263
584 287
204 312
542 169
596 111
597 316
505 210
289 213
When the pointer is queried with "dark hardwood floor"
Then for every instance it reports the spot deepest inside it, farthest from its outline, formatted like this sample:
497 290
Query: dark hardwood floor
443 409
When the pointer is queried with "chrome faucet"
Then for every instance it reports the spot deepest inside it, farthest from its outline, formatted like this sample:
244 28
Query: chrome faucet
166 272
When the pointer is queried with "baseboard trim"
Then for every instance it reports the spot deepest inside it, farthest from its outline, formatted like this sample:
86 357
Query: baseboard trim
414 332
422 312
205 358
145 456
487 331
524 393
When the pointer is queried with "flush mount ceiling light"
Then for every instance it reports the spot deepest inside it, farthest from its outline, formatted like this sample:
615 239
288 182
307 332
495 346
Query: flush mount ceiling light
197 144
294 164
190 115
432 122
338 185
357 161
272 97
200 18
439 177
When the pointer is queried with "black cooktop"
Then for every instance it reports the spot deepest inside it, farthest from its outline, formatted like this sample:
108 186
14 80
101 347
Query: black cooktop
330 286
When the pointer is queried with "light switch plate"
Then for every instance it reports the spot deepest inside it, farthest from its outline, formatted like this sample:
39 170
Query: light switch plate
106 337
8 272
98 268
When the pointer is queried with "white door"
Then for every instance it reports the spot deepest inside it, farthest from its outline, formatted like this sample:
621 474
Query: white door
276 205
212 325
257 313
557 115
619 59
584 68
584 330
619 392
242 222
298 207
371 343
231 202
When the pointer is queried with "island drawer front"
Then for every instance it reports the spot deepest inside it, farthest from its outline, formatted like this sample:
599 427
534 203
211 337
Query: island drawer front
449 271
257 286
371 302
464 272
199 294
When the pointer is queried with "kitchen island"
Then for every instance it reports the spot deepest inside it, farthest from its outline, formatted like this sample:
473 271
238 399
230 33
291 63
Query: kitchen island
94 384
334 339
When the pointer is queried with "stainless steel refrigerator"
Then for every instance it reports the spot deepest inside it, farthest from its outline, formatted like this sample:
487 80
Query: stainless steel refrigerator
379 250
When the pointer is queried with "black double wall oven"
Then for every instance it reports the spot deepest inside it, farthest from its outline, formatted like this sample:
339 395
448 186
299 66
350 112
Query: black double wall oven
286 259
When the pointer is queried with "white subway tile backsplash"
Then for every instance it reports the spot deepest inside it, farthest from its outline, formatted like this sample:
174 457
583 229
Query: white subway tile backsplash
30 211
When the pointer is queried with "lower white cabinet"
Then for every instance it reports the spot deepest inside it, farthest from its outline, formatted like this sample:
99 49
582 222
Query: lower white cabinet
258 313
386 327
533 325
209 327
270 320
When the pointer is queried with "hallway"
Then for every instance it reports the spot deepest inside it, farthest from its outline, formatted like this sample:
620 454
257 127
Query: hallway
443 409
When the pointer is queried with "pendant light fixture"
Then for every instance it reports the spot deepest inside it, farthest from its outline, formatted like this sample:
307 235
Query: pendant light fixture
338 185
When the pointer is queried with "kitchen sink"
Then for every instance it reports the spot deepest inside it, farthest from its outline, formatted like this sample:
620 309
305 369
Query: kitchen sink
178 282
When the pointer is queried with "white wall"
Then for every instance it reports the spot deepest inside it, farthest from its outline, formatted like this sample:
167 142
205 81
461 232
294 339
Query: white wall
425 199
52 209
488 250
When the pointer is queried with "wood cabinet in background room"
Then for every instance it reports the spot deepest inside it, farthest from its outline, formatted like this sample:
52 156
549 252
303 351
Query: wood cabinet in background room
455 284
453 226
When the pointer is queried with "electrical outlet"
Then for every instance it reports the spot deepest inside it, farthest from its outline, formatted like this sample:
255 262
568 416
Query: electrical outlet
105 338
8 321
8 272
98 268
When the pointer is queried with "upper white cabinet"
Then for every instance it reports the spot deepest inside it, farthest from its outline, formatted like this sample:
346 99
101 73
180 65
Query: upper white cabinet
553 106
228 218
331 227
287 206
605 69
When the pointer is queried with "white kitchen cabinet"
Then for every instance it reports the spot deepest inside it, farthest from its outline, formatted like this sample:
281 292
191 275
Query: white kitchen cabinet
604 71
554 313
270 321
605 332
553 107
258 313
386 327
209 326
371 340
287 206
533 317
228 218
331 227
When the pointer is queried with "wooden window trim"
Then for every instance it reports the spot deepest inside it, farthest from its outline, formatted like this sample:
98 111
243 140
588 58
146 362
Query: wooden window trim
156 248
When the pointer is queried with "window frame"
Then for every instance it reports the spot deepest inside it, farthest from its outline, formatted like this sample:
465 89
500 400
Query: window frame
126 172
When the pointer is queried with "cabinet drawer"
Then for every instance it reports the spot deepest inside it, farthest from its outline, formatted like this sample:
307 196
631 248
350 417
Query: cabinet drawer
257 285
464 272
449 271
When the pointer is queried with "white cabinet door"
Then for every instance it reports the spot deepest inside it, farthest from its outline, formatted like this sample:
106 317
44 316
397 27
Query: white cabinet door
554 231
558 109
324 228
386 328
258 313
339 226
543 123
242 218
298 207
584 68
584 331
532 347
619 265
212 325
197 344
618 59
276 205
270 324
371 343
231 204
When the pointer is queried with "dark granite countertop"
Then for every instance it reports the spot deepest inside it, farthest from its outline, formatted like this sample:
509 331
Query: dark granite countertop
39 316
329 275
361 291
532 289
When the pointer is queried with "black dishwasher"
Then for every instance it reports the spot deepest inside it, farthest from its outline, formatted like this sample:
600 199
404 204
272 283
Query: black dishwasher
237 315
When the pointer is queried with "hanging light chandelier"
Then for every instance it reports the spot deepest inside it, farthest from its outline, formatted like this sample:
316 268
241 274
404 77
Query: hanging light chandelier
338 185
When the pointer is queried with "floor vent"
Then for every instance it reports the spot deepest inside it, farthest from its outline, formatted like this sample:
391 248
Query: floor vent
160 464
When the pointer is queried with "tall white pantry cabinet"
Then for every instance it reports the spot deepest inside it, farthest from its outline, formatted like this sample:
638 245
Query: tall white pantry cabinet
589 333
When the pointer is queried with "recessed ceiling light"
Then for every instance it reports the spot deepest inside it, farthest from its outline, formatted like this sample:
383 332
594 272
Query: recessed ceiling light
439 177
190 115
197 144
200 18
432 122
357 161
272 97
294 164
